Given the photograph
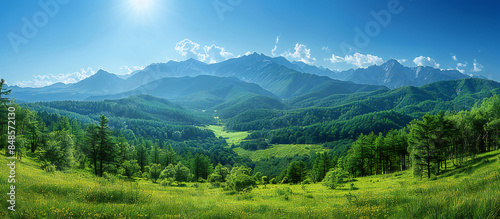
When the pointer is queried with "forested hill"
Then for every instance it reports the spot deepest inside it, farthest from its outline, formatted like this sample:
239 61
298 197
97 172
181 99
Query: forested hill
135 107
138 116
247 107
463 91
339 117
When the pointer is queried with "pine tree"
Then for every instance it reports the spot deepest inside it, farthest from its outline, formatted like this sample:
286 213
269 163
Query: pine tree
107 151
421 135
3 92
3 113
169 155
201 167
380 155
296 172
155 154
142 157
322 164
92 146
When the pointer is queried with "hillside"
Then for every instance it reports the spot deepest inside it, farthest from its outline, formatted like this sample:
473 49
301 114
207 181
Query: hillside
134 116
470 191
459 94
200 92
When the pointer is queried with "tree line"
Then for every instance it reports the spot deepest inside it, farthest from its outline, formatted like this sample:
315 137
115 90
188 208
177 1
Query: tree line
425 145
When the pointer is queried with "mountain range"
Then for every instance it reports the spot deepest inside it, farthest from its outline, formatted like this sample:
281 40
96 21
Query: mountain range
393 75
200 85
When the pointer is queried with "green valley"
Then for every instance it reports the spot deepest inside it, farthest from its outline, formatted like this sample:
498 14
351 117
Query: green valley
465 192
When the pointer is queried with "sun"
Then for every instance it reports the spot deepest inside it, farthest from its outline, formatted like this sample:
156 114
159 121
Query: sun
141 6
144 12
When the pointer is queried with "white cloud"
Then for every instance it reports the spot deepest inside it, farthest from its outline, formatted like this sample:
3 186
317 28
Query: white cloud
335 59
477 67
210 54
301 53
460 67
358 59
248 53
45 80
129 69
425 61
402 60
363 61
325 48
214 54
275 45
188 48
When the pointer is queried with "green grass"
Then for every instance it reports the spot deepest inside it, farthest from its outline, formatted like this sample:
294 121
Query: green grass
280 150
231 137
472 191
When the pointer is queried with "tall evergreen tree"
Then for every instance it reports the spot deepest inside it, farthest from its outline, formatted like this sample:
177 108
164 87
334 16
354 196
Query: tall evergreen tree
107 151
322 164
142 157
92 146
155 154
3 113
421 135
169 156
296 171
201 167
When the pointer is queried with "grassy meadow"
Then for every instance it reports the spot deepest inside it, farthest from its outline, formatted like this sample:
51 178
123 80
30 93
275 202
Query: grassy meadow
280 150
471 191
276 150
231 137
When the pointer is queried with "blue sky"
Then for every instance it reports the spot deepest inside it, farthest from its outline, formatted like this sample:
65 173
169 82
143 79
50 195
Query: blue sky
47 41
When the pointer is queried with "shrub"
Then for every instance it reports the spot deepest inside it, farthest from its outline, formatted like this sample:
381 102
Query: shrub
215 179
167 182
306 181
129 168
50 168
241 179
296 172
154 172
272 181
286 192
308 196
334 178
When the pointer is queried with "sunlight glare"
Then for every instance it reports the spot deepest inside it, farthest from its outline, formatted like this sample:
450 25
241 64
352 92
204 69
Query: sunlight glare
141 5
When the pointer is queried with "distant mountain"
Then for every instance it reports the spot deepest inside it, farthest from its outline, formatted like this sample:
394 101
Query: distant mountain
283 81
198 92
321 71
461 95
101 82
393 75
155 71
277 75
128 75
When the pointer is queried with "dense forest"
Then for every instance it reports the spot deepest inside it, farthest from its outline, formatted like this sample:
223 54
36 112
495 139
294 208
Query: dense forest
133 138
